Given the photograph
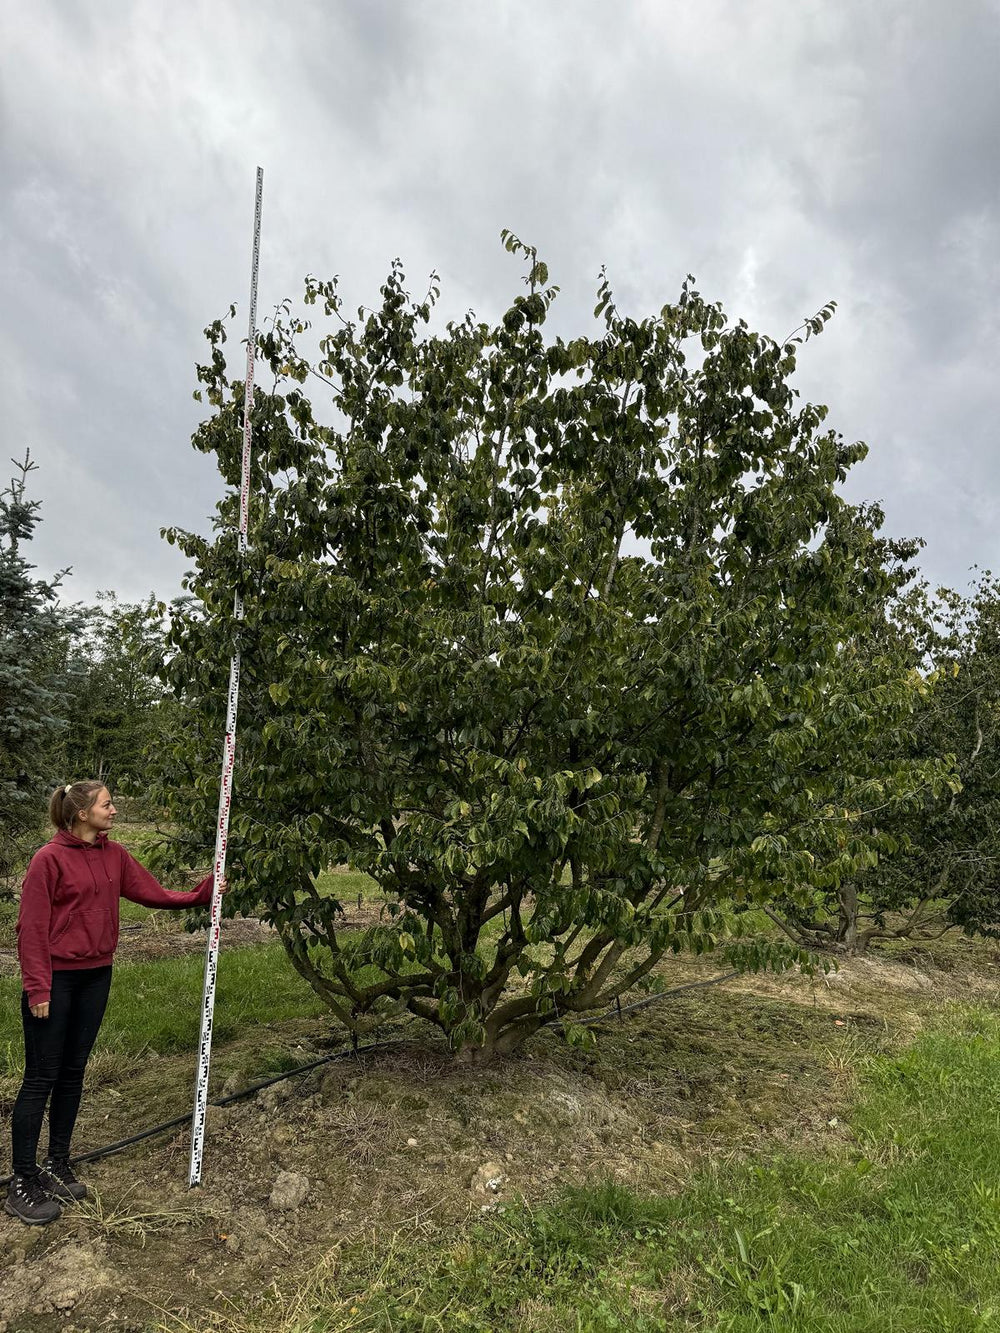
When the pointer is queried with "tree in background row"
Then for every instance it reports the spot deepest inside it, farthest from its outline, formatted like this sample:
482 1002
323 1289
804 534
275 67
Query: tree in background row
556 640
79 690
120 704
34 633
945 868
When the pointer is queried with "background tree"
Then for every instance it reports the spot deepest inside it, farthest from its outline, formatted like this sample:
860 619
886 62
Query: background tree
120 703
34 632
946 871
544 636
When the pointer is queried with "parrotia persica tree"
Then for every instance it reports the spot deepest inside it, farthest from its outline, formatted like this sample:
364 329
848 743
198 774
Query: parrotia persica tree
543 635
946 872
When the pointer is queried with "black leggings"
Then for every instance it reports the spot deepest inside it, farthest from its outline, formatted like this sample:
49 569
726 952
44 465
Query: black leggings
56 1050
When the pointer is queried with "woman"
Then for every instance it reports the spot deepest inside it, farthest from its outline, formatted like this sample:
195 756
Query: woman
67 932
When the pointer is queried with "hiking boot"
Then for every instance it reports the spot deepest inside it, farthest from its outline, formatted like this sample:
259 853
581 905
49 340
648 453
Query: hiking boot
60 1182
28 1201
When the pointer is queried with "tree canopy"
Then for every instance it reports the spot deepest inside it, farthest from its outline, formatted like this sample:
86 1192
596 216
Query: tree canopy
552 638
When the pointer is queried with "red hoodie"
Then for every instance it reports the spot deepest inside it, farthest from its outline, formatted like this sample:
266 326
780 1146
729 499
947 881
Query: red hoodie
69 906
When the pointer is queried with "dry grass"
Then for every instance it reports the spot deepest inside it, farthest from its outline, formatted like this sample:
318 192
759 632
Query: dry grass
128 1218
294 1307
363 1135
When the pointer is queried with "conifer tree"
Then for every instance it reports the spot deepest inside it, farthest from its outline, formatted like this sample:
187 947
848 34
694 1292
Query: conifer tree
34 632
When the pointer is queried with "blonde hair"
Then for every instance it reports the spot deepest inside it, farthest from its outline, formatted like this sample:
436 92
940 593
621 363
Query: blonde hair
71 800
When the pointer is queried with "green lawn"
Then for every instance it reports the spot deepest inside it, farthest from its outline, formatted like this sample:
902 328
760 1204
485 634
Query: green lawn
156 1006
348 887
896 1231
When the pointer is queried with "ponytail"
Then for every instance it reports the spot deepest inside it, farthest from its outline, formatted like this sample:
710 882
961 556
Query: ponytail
69 801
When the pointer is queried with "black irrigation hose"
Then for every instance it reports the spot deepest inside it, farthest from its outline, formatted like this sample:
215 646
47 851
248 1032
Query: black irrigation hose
620 1009
617 1011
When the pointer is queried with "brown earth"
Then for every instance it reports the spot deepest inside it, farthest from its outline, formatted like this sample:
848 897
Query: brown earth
406 1141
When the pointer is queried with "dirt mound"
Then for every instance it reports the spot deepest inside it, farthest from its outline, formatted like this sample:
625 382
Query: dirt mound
407 1139
50 1280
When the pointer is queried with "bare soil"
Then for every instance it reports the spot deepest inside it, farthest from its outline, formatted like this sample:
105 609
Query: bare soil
405 1140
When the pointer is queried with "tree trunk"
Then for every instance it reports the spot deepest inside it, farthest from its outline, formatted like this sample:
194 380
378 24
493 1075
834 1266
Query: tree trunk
849 918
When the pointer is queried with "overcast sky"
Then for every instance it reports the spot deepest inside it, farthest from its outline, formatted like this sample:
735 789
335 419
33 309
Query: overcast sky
784 151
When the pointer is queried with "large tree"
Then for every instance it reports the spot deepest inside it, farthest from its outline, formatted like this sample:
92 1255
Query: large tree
545 636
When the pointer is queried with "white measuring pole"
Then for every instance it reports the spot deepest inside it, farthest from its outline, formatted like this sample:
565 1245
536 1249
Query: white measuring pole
229 746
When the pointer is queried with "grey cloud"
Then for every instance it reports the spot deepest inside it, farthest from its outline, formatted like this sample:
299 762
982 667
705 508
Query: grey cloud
785 153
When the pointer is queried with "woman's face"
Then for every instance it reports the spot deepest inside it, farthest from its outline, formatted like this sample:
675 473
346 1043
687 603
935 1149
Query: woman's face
100 816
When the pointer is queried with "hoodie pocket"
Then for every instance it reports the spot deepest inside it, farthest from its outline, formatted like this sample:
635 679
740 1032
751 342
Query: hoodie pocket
89 934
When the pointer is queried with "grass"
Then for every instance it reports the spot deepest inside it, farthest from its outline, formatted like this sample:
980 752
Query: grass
887 1220
349 887
263 1011
156 1006
897 1228
125 1218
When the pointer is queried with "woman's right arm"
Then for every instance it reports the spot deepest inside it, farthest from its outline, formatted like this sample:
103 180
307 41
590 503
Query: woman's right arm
33 932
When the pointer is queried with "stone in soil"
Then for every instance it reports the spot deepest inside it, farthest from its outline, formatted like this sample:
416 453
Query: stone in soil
487 1181
289 1192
